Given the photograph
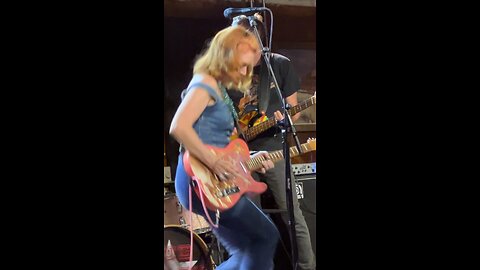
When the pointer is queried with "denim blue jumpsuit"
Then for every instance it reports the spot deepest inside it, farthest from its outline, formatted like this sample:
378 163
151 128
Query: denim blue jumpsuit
245 231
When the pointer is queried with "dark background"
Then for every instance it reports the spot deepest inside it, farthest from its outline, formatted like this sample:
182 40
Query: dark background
83 139
188 26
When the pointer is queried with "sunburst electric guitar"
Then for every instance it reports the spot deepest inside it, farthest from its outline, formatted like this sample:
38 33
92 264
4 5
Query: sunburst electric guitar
253 123
223 194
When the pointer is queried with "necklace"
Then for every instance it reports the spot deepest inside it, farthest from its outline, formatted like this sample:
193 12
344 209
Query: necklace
228 101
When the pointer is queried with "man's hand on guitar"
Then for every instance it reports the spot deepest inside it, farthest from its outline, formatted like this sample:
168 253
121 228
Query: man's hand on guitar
278 115
267 164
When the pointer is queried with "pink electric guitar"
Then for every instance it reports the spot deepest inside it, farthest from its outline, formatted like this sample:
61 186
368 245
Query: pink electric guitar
223 194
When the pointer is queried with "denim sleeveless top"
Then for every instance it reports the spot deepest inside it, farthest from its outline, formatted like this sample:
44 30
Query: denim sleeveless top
215 124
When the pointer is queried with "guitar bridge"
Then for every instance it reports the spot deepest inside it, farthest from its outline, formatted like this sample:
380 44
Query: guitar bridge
227 191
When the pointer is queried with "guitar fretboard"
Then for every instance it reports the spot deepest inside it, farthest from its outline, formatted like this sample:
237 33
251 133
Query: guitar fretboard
253 132
256 163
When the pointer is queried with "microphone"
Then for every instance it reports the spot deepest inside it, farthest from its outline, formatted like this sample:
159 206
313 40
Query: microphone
229 13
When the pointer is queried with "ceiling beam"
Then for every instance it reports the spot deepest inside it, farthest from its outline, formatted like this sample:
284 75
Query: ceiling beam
214 9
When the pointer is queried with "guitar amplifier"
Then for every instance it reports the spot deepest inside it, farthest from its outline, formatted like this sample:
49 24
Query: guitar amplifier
306 189
305 177
304 168
308 204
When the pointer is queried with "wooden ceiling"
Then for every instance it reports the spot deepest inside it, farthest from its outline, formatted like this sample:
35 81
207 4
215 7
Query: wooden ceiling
208 8
294 26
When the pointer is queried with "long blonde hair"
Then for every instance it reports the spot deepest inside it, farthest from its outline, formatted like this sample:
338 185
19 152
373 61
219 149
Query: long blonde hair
221 59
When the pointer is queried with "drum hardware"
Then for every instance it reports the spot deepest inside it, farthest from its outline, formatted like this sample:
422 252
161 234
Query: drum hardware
179 207
183 223
175 214
177 249
215 249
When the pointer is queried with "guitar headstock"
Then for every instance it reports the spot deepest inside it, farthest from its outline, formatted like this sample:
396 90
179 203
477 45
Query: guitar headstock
311 144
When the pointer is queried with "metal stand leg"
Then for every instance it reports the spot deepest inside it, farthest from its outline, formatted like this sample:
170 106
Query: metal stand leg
215 249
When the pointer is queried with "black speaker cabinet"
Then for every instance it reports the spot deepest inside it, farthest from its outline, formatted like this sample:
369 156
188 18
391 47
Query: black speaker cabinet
309 209
308 205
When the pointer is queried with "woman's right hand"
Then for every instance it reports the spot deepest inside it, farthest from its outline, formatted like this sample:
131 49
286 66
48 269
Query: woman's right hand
224 169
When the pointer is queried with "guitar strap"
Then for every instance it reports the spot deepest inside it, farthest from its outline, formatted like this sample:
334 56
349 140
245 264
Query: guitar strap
263 90
229 102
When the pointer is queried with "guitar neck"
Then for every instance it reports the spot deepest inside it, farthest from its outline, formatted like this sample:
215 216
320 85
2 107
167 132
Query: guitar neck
256 163
253 132
302 106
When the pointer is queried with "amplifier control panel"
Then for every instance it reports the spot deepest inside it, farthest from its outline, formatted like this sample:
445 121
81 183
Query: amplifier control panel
304 168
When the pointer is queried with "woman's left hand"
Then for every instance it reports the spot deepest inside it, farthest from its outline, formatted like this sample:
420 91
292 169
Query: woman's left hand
267 164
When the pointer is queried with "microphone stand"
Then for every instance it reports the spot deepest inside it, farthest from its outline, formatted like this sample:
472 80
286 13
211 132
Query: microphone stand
286 127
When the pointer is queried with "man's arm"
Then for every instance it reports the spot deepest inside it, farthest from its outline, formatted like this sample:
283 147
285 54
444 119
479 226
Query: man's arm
292 100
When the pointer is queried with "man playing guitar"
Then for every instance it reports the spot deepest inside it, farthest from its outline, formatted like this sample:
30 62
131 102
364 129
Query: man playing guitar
261 104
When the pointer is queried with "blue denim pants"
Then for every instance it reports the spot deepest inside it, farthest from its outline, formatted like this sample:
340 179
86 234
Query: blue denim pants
249 236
